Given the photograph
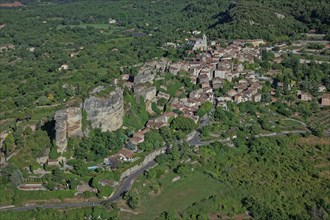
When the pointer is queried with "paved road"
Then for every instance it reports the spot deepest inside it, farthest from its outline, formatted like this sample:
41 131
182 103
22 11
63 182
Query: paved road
123 187
127 183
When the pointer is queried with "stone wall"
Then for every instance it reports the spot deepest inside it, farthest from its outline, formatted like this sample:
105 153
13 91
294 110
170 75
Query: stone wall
146 160
106 113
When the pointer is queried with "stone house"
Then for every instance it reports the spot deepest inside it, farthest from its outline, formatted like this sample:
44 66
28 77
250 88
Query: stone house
135 140
305 96
163 95
198 44
238 98
125 154
325 100
257 97
232 92
53 162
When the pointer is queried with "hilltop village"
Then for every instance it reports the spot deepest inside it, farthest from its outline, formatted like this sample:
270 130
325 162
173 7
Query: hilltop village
208 71
214 76
209 67
163 110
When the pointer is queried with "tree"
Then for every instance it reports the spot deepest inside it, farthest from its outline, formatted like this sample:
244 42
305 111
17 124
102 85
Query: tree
73 183
183 124
132 199
150 174
155 108
53 154
162 102
205 108
57 175
79 167
152 140
167 134
183 170
8 143
168 216
16 178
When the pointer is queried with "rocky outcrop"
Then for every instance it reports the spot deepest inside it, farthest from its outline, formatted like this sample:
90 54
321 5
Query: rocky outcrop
60 131
2 158
67 124
147 92
148 71
74 126
3 136
144 77
107 112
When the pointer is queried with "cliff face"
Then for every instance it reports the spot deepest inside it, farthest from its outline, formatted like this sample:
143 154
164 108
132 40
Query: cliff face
106 113
149 70
74 126
60 131
67 124
147 92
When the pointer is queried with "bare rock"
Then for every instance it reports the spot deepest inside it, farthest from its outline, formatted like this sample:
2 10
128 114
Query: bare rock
147 92
60 130
67 124
106 113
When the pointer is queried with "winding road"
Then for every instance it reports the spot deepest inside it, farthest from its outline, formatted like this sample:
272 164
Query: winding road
123 187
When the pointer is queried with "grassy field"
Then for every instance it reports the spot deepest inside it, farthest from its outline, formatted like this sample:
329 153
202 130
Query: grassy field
173 196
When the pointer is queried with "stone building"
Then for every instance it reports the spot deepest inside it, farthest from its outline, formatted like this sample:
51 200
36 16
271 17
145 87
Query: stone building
325 100
199 43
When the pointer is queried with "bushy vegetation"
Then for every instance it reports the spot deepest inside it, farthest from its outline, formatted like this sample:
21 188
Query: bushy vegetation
272 178
73 214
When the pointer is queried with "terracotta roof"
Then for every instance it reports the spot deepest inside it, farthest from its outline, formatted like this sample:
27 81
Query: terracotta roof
126 153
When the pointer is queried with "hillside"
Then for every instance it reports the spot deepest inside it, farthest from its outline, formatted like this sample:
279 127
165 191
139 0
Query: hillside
254 20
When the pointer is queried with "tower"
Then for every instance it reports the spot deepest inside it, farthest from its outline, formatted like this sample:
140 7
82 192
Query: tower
204 42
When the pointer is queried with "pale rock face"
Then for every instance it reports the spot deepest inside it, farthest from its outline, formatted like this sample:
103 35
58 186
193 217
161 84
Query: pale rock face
67 124
60 130
148 93
148 71
74 126
2 158
106 113
2 138
145 77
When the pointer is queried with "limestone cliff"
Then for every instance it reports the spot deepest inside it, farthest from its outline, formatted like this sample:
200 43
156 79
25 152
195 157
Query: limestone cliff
67 124
107 112
60 131
149 70
145 91
74 126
